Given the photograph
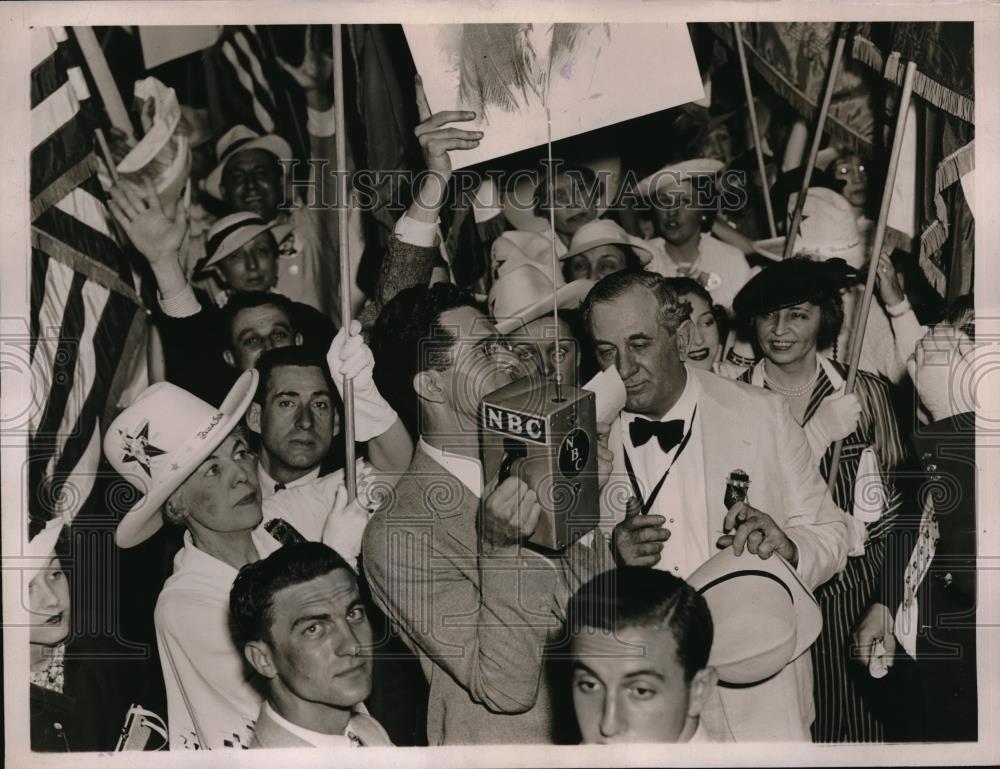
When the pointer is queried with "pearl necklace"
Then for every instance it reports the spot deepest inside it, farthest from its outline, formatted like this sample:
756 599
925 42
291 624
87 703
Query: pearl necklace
791 392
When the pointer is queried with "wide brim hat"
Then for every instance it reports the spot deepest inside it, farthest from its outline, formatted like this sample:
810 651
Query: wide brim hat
604 232
790 282
158 441
239 139
524 293
673 172
228 235
763 615
829 229
515 247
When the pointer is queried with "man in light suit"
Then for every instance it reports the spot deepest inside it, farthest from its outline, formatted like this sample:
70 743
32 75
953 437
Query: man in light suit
681 434
476 606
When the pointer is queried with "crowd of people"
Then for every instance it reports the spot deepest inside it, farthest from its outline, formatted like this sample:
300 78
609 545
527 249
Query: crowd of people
415 612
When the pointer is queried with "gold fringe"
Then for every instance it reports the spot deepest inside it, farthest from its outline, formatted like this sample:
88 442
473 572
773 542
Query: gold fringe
930 90
955 166
61 187
798 101
865 51
934 239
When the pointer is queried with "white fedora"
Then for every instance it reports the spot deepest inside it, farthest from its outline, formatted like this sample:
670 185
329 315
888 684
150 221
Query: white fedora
604 232
523 292
763 614
238 139
675 172
228 235
829 229
158 441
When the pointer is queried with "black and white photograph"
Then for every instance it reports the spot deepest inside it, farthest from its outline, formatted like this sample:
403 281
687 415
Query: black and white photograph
517 390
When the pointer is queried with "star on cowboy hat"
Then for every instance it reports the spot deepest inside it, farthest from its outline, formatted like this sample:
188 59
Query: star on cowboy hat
829 229
523 292
604 232
764 615
184 430
236 140
228 235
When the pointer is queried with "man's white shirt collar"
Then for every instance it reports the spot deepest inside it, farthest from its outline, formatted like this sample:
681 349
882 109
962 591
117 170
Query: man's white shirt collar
468 470
316 739
682 409
267 483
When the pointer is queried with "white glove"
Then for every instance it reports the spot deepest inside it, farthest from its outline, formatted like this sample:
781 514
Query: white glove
346 522
350 357
835 419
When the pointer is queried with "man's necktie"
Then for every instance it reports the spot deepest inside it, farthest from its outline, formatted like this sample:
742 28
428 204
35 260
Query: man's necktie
668 434
279 486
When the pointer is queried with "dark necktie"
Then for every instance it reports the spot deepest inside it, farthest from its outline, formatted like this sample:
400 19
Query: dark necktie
279 486
668 434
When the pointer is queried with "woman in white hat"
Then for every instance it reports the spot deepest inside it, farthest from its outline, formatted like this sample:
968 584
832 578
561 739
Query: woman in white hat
684 200
602 247
792 310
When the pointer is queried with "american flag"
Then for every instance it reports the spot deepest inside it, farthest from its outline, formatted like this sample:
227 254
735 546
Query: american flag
87 322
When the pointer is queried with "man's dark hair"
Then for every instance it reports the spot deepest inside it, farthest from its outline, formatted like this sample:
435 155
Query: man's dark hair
584 179
632 597
670 309
245 300
293 355
251 599
408 338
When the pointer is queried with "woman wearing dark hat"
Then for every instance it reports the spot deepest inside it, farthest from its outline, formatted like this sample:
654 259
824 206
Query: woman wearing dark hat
791 310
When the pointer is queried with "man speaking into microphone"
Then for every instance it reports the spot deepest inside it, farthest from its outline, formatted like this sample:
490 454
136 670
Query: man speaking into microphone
682 434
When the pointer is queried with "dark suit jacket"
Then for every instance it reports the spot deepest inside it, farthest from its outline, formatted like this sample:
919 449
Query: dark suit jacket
946 637
478 626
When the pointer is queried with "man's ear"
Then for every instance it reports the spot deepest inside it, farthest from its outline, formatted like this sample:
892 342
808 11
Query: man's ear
258 654
683 334
253 417
228 357
702 686
298 340
427 385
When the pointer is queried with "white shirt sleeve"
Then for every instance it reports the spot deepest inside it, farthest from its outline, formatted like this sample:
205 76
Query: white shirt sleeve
416 233
181 305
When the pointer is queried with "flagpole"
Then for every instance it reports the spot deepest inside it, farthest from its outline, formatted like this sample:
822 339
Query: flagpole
104 81
755 128
350 472
793 229
861 319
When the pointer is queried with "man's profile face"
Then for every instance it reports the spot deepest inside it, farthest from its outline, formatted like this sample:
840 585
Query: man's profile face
629 686
222 495
251 181
627 333
481 361
298 418
321 641
252 267
256 329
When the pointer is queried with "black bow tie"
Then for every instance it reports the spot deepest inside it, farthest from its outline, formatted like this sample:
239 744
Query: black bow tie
279 486
668 434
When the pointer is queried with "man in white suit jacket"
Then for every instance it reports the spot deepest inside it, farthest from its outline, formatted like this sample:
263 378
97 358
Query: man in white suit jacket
681 434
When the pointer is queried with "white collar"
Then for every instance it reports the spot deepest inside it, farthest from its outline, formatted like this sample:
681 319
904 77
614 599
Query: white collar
316 739
468 470
268 483
757 372
193 559
683 409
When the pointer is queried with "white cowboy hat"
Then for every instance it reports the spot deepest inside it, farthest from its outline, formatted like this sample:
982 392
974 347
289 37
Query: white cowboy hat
604 232
518 246
523 293
228 235
763 614
674 172
158 441
238 139
829 229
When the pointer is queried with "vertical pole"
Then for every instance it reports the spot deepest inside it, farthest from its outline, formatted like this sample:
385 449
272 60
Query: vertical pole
350 473
793 229
105 82
755 128
861 319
